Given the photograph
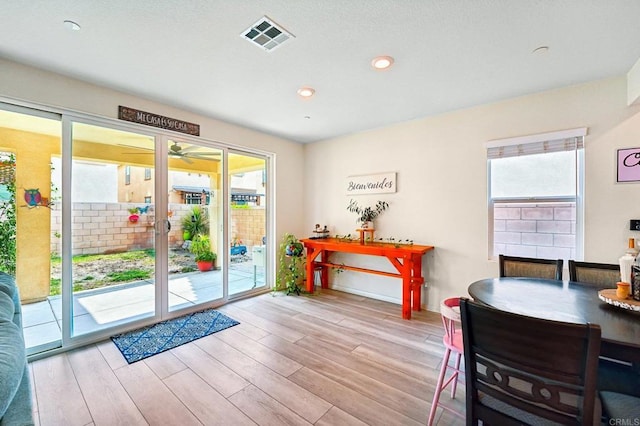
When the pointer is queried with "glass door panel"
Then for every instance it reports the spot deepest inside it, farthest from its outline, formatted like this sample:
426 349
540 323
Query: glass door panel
87 197
247 177
194 210
29 207
112 232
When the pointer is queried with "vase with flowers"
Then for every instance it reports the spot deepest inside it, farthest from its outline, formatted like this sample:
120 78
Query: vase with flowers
367 214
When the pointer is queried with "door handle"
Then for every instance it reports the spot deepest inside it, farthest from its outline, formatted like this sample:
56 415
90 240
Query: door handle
162 229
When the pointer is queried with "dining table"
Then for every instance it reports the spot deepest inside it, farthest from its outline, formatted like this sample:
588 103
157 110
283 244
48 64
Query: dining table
566 301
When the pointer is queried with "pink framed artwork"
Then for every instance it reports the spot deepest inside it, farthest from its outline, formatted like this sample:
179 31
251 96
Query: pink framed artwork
628 162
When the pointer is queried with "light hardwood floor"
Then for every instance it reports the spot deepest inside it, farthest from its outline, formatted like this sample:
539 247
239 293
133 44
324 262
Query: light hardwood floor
328 359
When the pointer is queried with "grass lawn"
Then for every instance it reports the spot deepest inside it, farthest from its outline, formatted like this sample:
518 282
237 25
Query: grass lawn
101 270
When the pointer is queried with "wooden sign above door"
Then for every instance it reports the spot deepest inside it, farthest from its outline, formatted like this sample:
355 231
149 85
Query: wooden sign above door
155 120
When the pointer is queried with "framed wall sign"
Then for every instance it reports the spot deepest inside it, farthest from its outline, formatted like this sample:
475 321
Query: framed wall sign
381 183
155 120
628 163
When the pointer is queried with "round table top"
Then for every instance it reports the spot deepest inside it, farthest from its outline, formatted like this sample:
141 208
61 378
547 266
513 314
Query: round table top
566 301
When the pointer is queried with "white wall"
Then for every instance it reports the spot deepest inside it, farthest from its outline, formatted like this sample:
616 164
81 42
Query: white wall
23 83
633 84
442 189
441 166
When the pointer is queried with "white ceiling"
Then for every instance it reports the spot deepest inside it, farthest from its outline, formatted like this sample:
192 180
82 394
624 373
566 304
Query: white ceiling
449 54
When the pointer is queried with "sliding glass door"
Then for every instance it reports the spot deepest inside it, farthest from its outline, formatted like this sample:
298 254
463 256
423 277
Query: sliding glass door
123 215
194 187
111 260
248 201
30 141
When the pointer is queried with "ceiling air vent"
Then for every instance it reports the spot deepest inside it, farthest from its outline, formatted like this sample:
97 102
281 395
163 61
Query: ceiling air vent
266 34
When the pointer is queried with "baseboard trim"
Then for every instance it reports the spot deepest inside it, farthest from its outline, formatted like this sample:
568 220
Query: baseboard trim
367 294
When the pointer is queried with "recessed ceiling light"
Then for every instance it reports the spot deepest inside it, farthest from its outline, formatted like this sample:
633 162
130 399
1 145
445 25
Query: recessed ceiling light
306 92
541 50
70 25
382 62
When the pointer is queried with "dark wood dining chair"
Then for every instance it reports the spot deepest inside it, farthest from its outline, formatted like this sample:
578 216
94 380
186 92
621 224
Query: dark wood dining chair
511 266
525 370
601 275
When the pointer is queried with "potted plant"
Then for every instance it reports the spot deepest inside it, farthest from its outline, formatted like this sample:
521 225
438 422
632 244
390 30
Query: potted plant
133 214
194 223
294 248
367 214
204 257
291 265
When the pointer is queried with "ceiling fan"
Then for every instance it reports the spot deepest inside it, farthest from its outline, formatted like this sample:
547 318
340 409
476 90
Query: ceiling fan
185 154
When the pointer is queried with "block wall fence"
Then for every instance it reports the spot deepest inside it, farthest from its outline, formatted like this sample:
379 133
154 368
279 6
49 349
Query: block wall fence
535 230
100 228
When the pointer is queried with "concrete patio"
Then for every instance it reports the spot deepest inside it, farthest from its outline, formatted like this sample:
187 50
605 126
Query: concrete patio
110 306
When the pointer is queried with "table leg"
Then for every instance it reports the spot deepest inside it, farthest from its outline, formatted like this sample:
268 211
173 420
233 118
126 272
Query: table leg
416 297
406 288
416 268
325 271
312 254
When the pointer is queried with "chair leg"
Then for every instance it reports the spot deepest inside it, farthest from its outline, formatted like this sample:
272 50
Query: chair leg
454 386
436 394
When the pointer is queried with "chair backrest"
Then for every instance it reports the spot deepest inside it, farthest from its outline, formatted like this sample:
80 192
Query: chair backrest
602 275
511 266
523 369
450 313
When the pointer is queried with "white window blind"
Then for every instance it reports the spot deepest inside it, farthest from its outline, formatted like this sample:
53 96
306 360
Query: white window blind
544 147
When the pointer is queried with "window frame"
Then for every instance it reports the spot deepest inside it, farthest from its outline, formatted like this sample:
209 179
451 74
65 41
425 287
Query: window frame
579 134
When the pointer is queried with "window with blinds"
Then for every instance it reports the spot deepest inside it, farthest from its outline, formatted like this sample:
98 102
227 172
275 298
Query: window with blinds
534 193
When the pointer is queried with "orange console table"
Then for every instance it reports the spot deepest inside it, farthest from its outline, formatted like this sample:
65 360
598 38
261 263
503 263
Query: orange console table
407 259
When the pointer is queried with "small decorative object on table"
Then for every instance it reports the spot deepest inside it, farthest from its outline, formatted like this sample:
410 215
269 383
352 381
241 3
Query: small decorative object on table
622 292
367 214
320 232
626 264
609 296
635 285
366 235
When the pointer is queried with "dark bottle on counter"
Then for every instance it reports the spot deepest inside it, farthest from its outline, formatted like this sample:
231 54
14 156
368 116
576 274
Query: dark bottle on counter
635 281
635 270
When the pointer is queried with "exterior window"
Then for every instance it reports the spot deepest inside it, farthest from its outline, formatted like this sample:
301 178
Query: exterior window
147 174
147 200
197 197
191 198
245 199
127 175
535 187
